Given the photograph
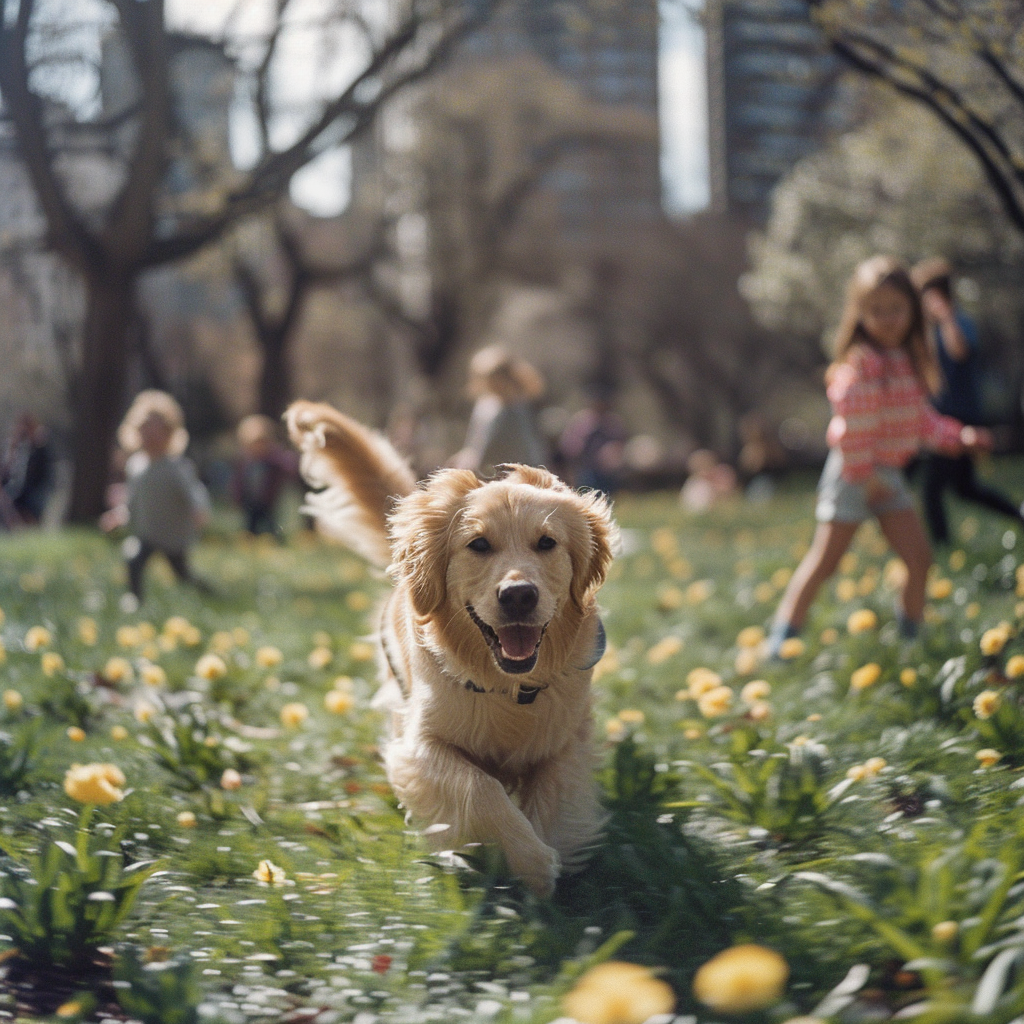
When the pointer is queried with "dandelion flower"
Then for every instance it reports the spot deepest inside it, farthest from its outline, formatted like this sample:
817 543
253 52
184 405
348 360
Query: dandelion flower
241 636
861 621
615 729
191 637
37 638
945 931
177 626
792 647
361 651
701 680
756 689
72 1008
908 676
3 652
972 611
957 560
88 631
631 716
986 704
294 714
994 640
338 702
269 657
269 873
1015 666
865 676
230 779
13 700
152 675
320 657
750 637
664 649
186 819
699 591
52 663
118 670
357 601
759 711
846 590
211 667
618 993
221 642
988 757
741 979
75 733
670 598
940 589
746 662
128 636
716 702
144 712
118 732
829 636
857 772
94 783
873 765
692 733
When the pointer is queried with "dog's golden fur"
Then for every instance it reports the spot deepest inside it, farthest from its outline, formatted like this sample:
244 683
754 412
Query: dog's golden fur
486 642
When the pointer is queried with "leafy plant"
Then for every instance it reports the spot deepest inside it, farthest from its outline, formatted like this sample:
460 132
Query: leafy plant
17 756
160 992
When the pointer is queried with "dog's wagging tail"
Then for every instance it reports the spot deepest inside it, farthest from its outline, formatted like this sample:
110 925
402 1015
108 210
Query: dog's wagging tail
487 641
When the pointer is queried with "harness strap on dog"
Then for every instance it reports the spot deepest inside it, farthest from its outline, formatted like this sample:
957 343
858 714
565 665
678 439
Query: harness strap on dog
600 646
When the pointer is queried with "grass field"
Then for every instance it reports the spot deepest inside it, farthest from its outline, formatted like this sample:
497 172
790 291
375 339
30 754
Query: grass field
856 811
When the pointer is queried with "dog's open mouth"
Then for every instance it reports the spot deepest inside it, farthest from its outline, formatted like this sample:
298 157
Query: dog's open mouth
515 646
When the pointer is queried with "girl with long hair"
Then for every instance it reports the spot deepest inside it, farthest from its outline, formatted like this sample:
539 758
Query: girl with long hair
879 386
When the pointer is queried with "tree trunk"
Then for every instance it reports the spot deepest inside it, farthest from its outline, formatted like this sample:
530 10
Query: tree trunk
99 392
275 387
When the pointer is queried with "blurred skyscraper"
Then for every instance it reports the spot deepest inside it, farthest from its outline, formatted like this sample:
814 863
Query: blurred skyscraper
775 94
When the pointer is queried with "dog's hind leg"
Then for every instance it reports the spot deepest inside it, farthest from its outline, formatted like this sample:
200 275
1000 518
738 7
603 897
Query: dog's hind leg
439 786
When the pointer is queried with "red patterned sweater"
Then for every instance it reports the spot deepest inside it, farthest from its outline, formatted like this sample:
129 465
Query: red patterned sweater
881 413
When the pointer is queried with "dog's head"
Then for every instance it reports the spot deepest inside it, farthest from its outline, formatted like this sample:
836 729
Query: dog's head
499 563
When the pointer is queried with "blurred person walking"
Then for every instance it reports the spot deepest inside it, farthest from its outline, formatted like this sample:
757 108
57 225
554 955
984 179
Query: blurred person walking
954 339
879 385
593 443
502 427
165 504
28 471
260 473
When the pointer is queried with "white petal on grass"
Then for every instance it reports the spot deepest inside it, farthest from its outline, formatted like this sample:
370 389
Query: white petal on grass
7 904
432 830
102 897
66 847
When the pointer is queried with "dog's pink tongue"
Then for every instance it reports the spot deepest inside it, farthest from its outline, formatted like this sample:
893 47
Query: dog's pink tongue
518 642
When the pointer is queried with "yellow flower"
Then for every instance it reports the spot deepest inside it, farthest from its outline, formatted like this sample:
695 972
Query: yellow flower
118 670
88 631
873 765
631 716
37 638
715 702
128 636
940 589
211 666
972 611
781 577
186 819
357 601
957 560
1015 667
699 591
669 598
865 676
701 680
756 689
269 873
13 700
230 779
908 676
94 783
848 563
269 657
856 772
3 652
988 757
829 636
759 711
153 675
945 931
664 649
221 642
241 636
741 979
618 993
144 712
615 729
747 661
72 1008
994 640
320 657
791 647
861 621
177 626
75 734
118 732
814 717
986 704
294 714
692 733
191 637
52 663
3 617
763 592
846 590
338 701
895 574
361 651
751 636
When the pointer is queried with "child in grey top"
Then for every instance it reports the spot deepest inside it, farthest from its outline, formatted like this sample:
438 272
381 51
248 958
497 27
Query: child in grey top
165 504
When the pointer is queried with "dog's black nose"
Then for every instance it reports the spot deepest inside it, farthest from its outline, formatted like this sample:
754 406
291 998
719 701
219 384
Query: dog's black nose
518 598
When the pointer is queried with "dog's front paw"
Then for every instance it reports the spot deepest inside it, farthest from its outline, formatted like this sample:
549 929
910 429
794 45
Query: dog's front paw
538 868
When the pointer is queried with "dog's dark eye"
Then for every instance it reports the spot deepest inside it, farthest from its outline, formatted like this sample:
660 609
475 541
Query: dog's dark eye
546 543
480 544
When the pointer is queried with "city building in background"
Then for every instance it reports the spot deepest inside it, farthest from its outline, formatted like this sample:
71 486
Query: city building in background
775 95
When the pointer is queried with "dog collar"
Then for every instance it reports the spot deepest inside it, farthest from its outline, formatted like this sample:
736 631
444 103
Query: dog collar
526 695
600 646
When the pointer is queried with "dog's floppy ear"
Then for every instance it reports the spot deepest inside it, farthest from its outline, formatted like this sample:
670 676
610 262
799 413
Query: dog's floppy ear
419 527
592 552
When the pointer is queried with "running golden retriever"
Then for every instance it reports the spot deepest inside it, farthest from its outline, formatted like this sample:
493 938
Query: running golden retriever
486 643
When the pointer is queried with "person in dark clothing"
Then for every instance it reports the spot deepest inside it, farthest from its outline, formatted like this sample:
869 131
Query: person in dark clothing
261 471
28 471
955 340
593 444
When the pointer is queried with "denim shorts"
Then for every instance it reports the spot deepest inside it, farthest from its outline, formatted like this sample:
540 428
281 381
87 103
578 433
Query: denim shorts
840 501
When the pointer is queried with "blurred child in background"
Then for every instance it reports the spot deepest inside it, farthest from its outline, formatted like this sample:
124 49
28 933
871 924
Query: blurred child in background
260 473
165 504
879 386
